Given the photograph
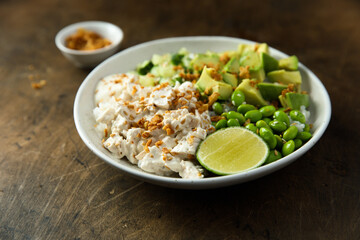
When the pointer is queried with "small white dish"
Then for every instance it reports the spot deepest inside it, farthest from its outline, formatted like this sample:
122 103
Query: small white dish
94 57
126 60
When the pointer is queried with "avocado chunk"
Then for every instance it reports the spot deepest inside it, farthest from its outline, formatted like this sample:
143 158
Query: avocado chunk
294 100
286 77
271 91
209 60
262 48
269 63
147 81
252 94
232 65
229 79
291 63
252 59
206 84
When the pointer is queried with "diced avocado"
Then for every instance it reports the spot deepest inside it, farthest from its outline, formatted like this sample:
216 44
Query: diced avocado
208 85
230 79
271 91
286 77
209 60
164 70
269 63
291 63
252 94
262 48
229 54
145 67
252 59
159 59
294 100
147 81
232 65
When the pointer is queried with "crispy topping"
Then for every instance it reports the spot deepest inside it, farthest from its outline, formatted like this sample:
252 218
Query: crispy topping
86 40
159 143
146 148
216 118
168 129
244 72
213 97
38 85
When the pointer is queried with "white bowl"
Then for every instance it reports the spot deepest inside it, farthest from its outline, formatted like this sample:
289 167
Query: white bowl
126 60
93 57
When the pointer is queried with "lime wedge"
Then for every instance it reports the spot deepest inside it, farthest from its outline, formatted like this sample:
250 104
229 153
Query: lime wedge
232 150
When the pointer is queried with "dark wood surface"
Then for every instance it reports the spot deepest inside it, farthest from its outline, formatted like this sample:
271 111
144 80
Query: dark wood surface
53 187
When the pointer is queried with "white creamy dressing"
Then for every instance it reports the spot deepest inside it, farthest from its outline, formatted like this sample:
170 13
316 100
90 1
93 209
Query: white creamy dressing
158 128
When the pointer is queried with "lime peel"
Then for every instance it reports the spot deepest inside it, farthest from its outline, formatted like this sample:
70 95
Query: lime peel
232 150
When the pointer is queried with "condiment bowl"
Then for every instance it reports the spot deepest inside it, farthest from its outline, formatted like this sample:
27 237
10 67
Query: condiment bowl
90 58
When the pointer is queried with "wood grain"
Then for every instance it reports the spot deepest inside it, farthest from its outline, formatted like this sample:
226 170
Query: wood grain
53 187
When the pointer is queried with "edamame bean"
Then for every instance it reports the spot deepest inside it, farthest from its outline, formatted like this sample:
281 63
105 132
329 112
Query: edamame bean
279 141
290 133
267 111
262 123
222 123
218 109
296 115
273 156
277 125
244 108
237 98
288 147
304 136
307 128
267 120
251 127
298 143
281 116
268 137
253 115
233 122
238 116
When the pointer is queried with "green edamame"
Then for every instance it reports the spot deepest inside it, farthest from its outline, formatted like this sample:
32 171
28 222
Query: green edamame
306 128
267 111
298 143
268 137
218 109
288 147
244 108
274 155
277 125
237 98
267 120
304 136
236 115
279 141
253 115
251 127
262 123
233 122
222 123
296 115
290 133
282 116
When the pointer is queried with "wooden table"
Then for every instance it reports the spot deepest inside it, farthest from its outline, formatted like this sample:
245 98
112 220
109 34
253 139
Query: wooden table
53 187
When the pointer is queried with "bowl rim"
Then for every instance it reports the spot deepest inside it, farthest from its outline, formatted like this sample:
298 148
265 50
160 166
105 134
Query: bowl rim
64 32
212 182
